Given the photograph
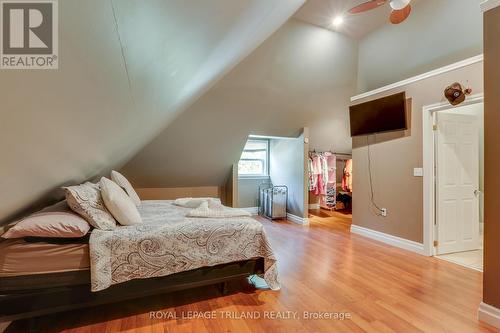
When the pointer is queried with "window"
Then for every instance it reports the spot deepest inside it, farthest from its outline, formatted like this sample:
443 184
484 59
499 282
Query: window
254 159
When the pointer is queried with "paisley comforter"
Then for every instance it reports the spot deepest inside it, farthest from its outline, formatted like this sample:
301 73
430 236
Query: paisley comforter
168 242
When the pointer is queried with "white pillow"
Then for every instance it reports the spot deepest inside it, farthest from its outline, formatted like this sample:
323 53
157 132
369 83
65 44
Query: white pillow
214 209
123 182
193 202
119 203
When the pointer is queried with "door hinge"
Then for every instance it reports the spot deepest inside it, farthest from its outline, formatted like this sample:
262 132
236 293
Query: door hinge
434 127
436 243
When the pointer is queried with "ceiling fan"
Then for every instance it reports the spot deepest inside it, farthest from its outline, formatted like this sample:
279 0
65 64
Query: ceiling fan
401 9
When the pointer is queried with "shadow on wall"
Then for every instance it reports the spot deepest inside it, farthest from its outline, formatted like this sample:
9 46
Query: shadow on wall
45 199
42 201
364 140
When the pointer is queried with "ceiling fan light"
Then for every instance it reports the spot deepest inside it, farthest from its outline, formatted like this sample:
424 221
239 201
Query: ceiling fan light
399 4
337 21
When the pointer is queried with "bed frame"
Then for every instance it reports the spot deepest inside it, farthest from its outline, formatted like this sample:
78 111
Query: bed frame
31 303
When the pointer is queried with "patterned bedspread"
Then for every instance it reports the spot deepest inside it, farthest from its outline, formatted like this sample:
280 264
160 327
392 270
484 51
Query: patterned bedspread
168 242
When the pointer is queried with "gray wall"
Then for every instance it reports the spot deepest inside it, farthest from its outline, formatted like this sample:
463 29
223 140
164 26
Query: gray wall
393 157
437 33
248 191
64 126
287 168
302 75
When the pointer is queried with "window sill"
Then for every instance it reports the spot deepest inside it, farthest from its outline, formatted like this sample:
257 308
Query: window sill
253 177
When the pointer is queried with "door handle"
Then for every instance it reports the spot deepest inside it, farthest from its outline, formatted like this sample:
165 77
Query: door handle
477 193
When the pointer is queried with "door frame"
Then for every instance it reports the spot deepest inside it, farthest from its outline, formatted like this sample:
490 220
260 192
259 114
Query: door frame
429 154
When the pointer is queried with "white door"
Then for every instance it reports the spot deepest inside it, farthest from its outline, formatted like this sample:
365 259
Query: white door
457 177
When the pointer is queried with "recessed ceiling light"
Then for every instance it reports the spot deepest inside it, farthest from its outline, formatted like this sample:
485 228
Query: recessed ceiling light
337 21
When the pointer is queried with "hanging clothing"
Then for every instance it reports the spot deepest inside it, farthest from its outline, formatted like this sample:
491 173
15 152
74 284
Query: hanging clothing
332 169
312 179
320 188
323 180
314 171
324 172
321 172
347 177
317 164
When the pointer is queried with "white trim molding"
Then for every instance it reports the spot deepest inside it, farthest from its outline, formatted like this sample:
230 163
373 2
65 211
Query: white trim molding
489 4
389 239
489 314
297 219
251 210
314 206
428 165
290 217
435 72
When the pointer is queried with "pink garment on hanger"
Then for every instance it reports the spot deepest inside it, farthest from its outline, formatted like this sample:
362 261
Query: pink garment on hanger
320 188
347 177
316 165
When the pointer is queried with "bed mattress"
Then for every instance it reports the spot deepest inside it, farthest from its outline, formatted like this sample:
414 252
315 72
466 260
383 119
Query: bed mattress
29 264
24 257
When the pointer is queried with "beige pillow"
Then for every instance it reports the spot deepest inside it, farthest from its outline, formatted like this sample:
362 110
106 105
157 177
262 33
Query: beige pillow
123 182
86 200
119 203
51 225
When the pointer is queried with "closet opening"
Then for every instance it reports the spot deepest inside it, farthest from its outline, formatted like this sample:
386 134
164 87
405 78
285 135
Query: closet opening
330 187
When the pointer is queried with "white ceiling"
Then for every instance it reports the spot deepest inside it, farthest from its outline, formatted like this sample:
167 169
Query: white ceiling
321 13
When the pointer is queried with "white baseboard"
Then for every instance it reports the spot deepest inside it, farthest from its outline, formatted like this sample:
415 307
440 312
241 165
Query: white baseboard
251 210
489 314
290 217
389 239
314 206
297 219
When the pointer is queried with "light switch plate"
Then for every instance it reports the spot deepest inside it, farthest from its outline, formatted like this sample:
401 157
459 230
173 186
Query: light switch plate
418 172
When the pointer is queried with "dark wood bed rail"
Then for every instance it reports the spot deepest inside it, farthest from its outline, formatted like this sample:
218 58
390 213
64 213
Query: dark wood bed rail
24 303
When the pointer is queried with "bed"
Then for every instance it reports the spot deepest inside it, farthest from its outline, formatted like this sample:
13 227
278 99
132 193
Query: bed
168 252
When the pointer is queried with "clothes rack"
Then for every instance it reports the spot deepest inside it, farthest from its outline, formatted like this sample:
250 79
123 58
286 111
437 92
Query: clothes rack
328 179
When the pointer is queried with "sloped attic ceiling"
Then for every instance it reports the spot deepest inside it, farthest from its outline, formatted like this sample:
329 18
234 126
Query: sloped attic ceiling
302 76
126 68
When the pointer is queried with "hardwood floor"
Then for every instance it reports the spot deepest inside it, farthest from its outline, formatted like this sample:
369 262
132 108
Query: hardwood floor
323 268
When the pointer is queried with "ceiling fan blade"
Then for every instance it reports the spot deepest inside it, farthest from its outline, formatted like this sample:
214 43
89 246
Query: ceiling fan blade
366 6
398 16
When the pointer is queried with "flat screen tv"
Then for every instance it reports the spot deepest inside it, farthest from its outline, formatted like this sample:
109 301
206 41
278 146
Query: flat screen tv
381 115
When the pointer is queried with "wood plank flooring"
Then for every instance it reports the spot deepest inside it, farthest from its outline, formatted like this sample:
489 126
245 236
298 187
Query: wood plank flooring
323 268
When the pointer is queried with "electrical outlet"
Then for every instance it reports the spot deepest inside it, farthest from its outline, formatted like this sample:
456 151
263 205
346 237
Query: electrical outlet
384 212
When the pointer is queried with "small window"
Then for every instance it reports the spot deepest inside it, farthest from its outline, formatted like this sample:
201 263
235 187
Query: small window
254 159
